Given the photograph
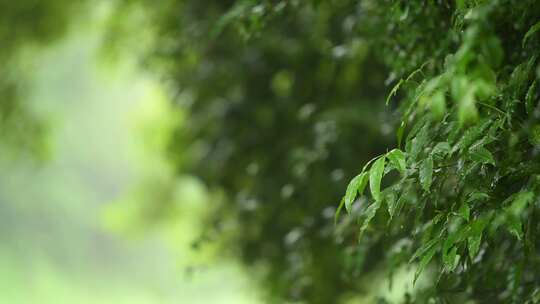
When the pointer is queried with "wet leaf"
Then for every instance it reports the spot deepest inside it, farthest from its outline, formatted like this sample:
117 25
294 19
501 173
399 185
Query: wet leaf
397 159
375 176
356 186
426 173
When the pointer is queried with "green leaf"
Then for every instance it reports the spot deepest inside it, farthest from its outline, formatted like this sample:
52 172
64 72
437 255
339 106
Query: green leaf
368 216
338 211
514 212
426 173
464 211
477 196
482 155
535 28
394 206
375 176
529 98
467 111
475 236
451 259
397 159
513 224
356 185
424 262
437 105
419 142
472 135
519 202
399 133
394 91
424 249
441 149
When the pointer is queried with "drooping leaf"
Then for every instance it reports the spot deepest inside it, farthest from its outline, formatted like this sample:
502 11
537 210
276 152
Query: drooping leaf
477 196
472 135
532 30
375 176
513 224
529 98
426 173
464 211
514 212
441 149
397 159
356 186
368 216
394 205
424 261
451 259
338 210
419 142
424 249
475 236
482 155
437 105
394 91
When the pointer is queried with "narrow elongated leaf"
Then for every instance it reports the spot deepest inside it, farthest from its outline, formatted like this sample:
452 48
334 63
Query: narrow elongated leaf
419 142
426 173
477 196
424 249
475 236
375 176
535 28
451 259
338 211
397 159
394 91
472 135
424 262
514 211
513 224
464 211
529 98
356 186
368 216
394 205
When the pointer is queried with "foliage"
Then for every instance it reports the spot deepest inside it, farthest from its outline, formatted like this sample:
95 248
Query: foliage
285 99
467 194
278 120
286 102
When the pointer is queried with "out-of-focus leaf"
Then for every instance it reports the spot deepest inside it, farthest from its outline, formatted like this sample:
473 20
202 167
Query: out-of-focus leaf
368 216
437 105
473 241
394 205
464 211
426 173
441 149
424 261
338 211
424 249
529 98
451 259
482 155
535 28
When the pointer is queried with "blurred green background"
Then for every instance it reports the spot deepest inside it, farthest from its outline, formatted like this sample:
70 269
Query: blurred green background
67 232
